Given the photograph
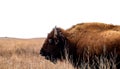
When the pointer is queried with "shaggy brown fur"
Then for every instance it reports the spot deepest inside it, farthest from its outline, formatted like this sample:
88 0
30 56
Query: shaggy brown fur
91 36
95 35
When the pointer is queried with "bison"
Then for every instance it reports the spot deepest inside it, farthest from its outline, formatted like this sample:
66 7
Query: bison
82 41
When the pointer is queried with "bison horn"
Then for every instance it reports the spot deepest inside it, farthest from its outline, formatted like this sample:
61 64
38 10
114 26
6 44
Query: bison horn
55 31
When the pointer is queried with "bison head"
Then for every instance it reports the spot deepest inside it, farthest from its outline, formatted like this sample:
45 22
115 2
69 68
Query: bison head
53 47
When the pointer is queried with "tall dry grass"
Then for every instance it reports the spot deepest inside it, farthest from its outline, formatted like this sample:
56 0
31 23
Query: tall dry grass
24 54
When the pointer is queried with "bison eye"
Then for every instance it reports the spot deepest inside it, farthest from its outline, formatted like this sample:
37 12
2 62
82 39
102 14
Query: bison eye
51 41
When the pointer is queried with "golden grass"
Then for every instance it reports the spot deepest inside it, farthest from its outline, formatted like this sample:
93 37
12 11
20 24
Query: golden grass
24 54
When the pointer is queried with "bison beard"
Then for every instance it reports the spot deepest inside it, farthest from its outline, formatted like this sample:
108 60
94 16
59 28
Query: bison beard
83 42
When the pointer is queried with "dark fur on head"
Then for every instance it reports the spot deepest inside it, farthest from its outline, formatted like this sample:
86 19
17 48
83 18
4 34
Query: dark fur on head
53 48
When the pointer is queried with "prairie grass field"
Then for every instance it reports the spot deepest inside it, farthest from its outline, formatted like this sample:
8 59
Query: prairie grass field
24 54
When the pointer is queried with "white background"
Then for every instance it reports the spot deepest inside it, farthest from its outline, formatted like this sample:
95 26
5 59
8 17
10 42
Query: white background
36 18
